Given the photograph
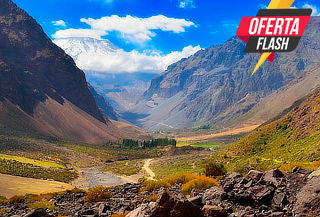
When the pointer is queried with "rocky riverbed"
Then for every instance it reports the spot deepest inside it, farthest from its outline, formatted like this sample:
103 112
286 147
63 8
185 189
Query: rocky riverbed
92 177
269 194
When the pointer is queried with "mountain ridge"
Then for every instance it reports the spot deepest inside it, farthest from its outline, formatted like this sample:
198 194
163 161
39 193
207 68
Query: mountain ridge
203 88
41 88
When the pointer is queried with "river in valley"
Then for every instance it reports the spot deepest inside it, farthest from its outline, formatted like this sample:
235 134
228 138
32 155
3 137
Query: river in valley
91 177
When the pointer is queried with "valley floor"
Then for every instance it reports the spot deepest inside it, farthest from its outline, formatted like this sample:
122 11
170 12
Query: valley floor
15 185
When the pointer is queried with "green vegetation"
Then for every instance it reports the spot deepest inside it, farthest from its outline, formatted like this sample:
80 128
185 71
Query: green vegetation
206 144
127 167
17 168
107 152
170 166
43 204
181 143
214 169
289 141
189 181
46 164
129 143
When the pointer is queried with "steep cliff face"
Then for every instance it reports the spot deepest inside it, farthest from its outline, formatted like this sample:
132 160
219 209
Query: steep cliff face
216 85
41 89
33 68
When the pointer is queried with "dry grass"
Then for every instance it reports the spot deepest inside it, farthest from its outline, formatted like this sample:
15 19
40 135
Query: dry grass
217 135
4 210
98 194
14 185
201 183
153 197
40 197
305 165
120 215
181 178
154 185
16 199
43 204
188 181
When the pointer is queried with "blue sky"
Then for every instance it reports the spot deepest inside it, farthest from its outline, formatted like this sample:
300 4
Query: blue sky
210 22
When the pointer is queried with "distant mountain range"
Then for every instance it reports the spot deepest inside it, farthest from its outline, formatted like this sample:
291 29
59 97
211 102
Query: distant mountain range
122 89
41 89
215 88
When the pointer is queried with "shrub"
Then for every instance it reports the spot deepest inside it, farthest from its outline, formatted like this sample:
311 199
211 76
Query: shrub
153 197
16 199
170 181
154 185
43 204
4 201
316 165
98 194
2 197
120 215
181 178
41 196
4 210
76 191
201 183
215 169
305 165
142 180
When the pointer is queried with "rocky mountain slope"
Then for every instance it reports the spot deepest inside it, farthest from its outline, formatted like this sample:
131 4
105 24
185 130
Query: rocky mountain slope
292 140
215 86
41 89
104 106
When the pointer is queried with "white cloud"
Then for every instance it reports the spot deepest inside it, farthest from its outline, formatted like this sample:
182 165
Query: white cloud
102 57
59 23
91 33
131 62
186 4
132 28
315 9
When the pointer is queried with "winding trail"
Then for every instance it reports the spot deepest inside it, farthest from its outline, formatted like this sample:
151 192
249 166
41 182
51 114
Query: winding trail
148 170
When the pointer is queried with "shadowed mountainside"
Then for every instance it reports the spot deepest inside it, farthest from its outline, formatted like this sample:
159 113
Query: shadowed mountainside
41 89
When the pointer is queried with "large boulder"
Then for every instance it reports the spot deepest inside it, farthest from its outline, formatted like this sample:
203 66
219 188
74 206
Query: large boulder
261 193
213 196
273 176
168 204
40 212
308 199
314 174
214 211
254 175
